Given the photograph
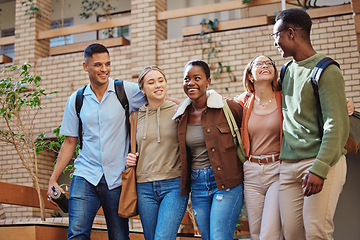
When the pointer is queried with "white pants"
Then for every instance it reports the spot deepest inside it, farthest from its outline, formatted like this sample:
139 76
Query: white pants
311 217
261 192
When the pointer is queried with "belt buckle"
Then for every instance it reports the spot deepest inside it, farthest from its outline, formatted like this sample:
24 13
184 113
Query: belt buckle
259 159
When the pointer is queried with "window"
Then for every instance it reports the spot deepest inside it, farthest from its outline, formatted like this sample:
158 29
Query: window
8 50
63 40
123 31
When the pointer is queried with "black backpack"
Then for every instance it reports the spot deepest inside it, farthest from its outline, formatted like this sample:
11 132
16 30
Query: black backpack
315 77
121 95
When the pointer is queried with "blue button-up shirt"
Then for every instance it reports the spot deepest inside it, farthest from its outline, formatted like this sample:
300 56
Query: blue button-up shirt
105 140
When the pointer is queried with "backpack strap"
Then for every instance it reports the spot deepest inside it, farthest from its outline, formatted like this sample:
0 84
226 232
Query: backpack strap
283 70
315 78
78 104
235 132
121 95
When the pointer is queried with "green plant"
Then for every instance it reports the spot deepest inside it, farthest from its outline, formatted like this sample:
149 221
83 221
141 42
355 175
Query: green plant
43 143
212 48
20 102
242 218
33 11
98 7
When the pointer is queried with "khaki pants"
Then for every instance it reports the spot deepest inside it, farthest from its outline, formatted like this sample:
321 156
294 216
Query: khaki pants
309 217
261 192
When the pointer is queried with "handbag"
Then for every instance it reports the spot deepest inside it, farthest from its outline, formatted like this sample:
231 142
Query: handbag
235 132
352 145
128 198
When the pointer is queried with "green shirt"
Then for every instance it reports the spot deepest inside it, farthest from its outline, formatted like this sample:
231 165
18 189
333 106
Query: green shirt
301 132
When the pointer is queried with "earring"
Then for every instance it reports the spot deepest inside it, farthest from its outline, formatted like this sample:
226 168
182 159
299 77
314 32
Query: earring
143 93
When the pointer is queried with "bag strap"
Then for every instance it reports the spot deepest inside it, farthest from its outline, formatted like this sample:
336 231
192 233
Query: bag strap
283 70
235 132
315 78
133 124
78 104
120 94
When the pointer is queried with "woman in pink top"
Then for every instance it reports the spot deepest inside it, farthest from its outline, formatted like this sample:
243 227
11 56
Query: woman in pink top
261 135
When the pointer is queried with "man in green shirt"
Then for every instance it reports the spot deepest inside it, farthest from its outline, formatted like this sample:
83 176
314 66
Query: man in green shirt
313 169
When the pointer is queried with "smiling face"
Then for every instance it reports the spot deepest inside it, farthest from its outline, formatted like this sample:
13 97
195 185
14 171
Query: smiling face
195 82
154 87
262 69
98 68
281 38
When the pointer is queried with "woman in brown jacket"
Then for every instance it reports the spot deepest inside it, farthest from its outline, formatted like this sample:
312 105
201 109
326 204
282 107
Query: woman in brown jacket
210 167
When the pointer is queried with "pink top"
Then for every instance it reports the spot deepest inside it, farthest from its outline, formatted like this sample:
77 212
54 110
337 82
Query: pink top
264 140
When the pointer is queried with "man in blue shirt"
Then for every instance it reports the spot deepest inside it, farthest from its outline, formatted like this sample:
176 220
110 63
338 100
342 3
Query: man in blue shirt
97 177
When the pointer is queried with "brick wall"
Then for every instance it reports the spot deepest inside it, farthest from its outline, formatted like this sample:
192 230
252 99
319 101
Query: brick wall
335 36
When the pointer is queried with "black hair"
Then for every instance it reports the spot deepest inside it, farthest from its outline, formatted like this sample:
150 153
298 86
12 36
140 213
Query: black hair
201 64
296 18
94 48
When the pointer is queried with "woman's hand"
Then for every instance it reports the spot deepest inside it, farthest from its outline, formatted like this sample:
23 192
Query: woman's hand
351 106
131 159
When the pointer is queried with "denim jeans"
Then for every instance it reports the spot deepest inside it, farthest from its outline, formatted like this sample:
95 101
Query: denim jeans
84 202
161 208
216 212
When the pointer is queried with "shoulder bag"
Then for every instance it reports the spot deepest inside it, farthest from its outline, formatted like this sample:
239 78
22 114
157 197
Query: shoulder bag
128 197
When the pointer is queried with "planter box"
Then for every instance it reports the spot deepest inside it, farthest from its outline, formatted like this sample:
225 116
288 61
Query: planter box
43 231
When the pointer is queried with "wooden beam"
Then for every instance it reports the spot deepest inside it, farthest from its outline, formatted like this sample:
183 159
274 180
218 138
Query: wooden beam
228 25
79 47
210 8
22 195
355 4
118 22
5 59
329 11
15 194
7 40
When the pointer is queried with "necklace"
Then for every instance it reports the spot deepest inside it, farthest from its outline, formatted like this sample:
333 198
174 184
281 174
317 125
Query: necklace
199 110
265 103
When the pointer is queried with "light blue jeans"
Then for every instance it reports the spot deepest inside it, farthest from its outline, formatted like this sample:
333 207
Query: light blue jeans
216 212
84 202
161 208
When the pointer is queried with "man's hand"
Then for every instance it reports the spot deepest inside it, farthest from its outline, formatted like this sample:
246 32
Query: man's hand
56 185
312 184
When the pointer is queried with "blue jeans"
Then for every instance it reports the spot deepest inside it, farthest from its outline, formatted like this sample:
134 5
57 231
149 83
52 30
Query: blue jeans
161 208
84 202
216 212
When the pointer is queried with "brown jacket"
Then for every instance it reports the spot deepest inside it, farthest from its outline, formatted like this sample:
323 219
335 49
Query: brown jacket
228 169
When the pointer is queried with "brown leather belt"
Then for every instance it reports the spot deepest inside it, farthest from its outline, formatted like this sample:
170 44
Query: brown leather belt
264 158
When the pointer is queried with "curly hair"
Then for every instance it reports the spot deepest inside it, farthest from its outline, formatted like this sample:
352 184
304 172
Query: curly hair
201 64
296 18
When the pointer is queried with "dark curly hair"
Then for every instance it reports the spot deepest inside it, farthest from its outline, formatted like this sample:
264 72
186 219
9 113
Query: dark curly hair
201 64
297 19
